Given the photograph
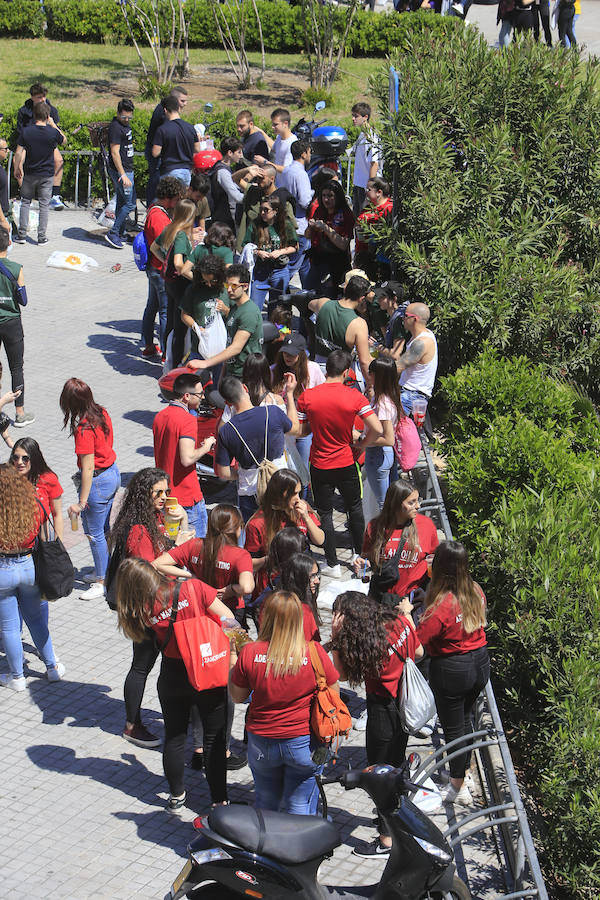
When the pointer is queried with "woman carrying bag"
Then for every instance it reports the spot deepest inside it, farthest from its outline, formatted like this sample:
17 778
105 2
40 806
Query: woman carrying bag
277 671
147 599
21 517
28 460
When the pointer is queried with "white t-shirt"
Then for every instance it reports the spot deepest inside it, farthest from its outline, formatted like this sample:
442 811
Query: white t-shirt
366 152
386 411
281 153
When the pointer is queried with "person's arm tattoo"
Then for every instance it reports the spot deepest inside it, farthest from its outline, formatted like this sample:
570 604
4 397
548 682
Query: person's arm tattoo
412 355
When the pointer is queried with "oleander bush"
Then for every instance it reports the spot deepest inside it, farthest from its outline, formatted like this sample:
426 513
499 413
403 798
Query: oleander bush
521 450
498 208
98 21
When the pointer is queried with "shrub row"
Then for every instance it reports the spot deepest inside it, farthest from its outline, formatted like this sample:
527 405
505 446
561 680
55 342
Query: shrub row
100 21
525 498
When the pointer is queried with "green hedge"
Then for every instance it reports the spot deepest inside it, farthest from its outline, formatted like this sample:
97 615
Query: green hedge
101 20
528 506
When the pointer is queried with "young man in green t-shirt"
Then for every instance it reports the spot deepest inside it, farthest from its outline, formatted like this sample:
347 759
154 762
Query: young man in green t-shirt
244 326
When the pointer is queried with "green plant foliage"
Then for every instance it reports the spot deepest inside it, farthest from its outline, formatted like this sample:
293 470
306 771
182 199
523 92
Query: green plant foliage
98 21
311 96
504 251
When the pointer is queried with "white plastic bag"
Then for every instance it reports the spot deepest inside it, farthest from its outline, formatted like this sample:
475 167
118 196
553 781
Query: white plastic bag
68 259
107 216
187 346
212 339
295 461
327 596
416 703
34 216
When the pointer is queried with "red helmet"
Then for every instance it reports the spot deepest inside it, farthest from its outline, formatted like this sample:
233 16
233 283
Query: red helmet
206 159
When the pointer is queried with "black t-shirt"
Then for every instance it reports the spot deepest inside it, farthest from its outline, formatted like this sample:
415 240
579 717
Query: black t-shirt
121 134
177 138
158 117
4 191
39 142
25 115
253 144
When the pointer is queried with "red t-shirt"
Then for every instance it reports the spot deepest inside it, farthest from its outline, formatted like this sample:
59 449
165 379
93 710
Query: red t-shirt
412 566
441 632
330 409
157 220
40 518
48 488
280 707
256 543
404 639
373 214
231 562
94 440
341 221
170 424
139 542
194 599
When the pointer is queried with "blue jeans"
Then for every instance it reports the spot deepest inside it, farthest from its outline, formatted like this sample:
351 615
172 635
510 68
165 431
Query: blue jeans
505 32
157 302
407 398
303 445
283 773
126 202
183 174
20 595
272 283
197 518
300 262
95 517
379 462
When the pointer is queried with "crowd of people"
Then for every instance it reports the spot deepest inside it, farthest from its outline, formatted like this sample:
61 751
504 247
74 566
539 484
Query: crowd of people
333 400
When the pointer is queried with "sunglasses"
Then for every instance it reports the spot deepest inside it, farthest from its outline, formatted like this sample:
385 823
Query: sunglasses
160 493
14 459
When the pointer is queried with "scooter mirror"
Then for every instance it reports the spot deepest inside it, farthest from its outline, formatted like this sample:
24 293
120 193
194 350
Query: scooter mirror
320 105
208 107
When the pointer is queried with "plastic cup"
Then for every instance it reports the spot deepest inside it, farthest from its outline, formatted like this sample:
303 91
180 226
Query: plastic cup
419 408
429 560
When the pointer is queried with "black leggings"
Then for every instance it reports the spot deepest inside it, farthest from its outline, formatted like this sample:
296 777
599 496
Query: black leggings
144 657
177 698
386 739
348 483
566 14
198 729
11 335
456 682
541 12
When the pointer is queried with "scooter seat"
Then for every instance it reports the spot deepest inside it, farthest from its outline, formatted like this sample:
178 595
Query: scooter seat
287 838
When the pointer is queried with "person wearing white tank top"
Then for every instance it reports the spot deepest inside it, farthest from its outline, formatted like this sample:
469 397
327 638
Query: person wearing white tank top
418 364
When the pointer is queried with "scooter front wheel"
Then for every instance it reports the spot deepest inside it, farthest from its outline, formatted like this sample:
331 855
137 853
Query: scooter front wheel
458 891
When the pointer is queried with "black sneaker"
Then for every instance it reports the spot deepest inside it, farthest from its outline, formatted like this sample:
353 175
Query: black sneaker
235 762
140 736
42 241
175 802
373 849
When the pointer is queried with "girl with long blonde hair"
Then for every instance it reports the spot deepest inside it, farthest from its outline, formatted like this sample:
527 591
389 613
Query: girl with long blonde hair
277 671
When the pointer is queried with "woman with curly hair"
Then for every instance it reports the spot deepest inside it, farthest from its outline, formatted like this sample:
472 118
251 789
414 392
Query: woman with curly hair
301 577
28 460
369 643
139 530
100 479
280 506
21 518
399 526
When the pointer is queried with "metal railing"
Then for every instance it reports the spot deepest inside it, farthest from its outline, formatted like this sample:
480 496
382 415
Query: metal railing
504 813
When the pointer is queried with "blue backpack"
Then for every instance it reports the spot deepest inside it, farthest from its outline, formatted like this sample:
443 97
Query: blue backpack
140 251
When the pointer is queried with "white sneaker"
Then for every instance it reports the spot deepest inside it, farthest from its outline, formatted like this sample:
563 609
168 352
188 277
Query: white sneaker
15 684
89 577
462 796
360 724
56 673
332 571
95 592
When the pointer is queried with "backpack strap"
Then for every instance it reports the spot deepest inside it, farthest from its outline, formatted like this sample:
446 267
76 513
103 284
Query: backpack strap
317 666
244 442
266 429
6 271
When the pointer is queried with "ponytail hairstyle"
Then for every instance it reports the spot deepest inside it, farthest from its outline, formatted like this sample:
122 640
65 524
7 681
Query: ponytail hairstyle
224 523
450 574
384 525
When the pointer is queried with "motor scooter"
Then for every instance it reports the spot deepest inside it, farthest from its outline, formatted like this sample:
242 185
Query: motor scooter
242 851
327 143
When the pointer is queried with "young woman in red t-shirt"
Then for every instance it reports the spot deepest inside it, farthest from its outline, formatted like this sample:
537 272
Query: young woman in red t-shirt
277 671
399 520
139 530
364 636
452 630
219 561
280 506
91 427
301 576
145 599
330 230
28 460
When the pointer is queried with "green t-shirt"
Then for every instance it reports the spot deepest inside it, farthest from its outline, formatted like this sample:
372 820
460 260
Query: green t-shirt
199 302
182 244
201 251
273 242
246 317
9 307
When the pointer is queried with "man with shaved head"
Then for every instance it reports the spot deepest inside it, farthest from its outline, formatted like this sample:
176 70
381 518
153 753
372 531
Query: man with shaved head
418 364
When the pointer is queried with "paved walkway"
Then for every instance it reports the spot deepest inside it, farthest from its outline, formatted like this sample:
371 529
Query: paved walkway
84 812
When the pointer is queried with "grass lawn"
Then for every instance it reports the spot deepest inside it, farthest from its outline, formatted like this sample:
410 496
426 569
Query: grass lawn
91 78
